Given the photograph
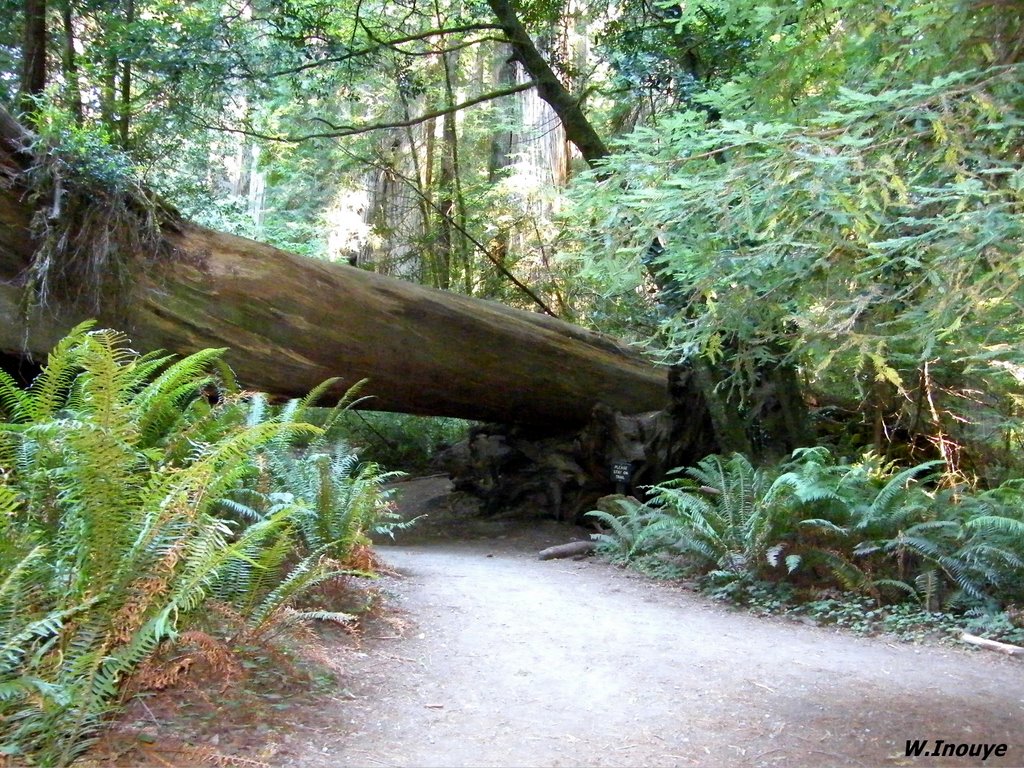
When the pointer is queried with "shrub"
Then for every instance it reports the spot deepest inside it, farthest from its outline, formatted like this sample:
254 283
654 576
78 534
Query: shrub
721 517
400 440
870 528
340 500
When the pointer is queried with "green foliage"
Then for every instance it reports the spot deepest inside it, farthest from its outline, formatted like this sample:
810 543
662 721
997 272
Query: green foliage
869 528
879 530
340 500
628 535
844 202
722 516
399 440
349 502
95 222
862 615
123 538
330 500
923 226
785 57
667 56
216 139
116 474
86 155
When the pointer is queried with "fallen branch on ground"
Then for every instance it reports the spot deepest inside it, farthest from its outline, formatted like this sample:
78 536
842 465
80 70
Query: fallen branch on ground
572 549
993 645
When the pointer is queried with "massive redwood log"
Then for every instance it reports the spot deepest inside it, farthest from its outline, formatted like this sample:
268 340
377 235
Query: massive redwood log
290 322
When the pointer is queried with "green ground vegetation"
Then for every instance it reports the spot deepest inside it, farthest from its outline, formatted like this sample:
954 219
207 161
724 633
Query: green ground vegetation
864 544
144 499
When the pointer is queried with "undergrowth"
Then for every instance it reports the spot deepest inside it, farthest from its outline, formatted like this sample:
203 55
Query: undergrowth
869 546
861 615
140 519
400 440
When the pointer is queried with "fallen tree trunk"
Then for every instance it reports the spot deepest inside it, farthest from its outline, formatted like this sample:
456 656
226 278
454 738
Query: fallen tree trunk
290 322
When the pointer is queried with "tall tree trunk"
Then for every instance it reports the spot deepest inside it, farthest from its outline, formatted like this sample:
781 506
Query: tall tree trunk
501 140
125 112
460 247
427 188
434 266
69 62
417 179
499 159
446 185
33 55
108 92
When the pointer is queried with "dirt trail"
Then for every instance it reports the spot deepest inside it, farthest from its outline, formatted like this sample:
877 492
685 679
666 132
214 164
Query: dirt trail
510 661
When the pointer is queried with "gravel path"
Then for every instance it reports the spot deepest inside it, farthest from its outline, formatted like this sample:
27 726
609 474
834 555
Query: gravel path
510 661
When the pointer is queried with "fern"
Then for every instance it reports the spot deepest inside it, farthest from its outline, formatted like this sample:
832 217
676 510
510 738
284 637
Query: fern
725 514
890 506
628 536
117 467
870 528
117 477
49 391
339 500
311 571
14 403
996 526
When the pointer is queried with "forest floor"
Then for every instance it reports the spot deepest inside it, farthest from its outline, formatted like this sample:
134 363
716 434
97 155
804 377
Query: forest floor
486 656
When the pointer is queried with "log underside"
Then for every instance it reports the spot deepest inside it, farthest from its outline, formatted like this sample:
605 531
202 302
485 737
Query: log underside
529 473
290 322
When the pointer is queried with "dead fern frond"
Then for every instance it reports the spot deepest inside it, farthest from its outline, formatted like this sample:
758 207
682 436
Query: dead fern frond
196 649
399 625
210 756
132 614
153 676
332 659
212 653
228 613
363 558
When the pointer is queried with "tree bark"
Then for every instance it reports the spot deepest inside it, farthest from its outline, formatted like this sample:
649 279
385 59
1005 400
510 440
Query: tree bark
69 61
992 645
290 322
124 118
446 194
108 92
572 549
33 54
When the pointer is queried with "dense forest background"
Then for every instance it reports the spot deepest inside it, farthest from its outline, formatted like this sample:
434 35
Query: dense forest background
812 210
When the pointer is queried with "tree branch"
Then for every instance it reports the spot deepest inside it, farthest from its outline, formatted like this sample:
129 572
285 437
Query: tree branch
340 131
577 127
452 48
380 45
